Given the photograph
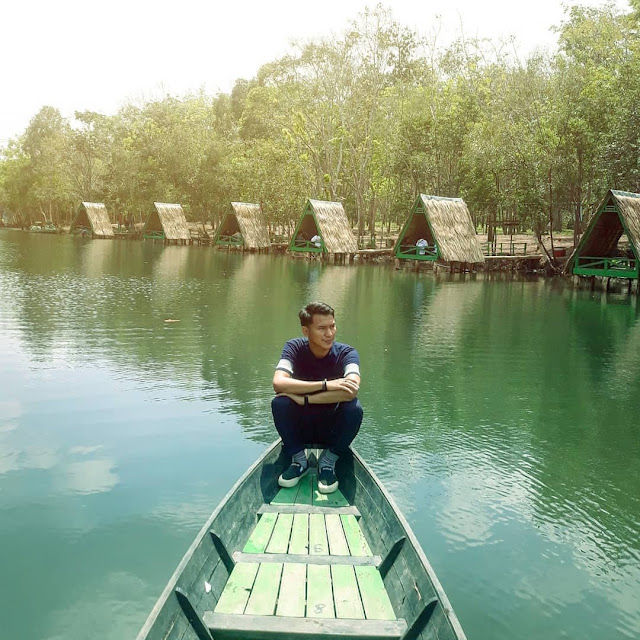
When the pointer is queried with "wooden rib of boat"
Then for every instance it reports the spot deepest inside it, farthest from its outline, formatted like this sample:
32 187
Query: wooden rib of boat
296 564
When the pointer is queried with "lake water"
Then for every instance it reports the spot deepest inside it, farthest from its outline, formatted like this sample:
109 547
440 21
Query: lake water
135 383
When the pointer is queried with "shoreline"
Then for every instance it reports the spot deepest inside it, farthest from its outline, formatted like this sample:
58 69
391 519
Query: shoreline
518 255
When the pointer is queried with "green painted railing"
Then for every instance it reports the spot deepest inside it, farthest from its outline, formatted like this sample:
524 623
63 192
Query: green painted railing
512 249
618 267
306 245
417 253
154 235
230 241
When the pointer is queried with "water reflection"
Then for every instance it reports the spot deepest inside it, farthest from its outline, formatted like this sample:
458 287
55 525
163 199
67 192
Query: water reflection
500 414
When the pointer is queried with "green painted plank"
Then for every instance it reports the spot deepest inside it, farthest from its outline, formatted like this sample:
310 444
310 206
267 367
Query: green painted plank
279 542
335 535
286 495
304 490
223 625
293 591
259 538
318 544
346 595
299 542
335 499
307 508
319 592
377 605
358 545
236 592
305 558
264 594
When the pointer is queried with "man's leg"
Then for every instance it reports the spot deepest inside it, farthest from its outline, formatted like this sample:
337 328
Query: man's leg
287 417
346 422
342 427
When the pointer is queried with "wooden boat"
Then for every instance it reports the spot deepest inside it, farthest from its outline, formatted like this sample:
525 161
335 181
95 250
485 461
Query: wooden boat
274 563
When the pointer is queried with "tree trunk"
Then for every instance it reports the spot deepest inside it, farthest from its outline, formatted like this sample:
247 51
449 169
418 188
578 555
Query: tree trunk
553 257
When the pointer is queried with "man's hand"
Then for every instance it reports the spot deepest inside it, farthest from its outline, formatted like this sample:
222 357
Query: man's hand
349 385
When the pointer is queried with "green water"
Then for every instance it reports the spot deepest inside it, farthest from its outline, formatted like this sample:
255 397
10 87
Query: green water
502 416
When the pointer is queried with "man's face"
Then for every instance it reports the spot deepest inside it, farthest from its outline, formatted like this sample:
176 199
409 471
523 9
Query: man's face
321 332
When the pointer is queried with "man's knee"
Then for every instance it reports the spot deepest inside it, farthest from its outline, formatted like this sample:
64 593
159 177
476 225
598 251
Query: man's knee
352 411
281 402
283 408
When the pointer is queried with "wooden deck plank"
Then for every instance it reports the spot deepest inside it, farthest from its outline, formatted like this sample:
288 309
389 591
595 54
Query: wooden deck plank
293 591
225 627
299 542
279 541
346 595
319 592
375 599
358 545
305 558
318 544
304 508
286 495
236 592
261 534
335 499
335 535
264 595
305 487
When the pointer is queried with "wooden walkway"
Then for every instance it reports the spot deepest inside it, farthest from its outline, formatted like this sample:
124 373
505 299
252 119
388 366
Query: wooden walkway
305 571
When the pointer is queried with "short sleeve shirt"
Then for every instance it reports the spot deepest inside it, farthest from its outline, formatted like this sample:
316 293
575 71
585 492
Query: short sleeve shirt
298 360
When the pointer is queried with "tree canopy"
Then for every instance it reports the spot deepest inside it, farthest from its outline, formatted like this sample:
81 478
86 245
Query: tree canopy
370 118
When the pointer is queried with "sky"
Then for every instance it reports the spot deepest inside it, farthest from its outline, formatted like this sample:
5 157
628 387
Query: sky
77 55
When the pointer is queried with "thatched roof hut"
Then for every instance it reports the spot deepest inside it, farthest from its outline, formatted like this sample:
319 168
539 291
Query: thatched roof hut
439 229
167 222
598 252
244 226
329 222
92 217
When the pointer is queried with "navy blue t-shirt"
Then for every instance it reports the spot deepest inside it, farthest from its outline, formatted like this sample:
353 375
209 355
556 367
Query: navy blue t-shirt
298 360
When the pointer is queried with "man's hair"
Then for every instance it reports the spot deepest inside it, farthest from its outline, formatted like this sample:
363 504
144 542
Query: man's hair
314 309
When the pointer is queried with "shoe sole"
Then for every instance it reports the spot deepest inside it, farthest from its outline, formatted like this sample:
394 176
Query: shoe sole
328 488
287 484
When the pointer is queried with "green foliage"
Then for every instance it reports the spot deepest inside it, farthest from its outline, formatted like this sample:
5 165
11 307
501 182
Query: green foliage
370 118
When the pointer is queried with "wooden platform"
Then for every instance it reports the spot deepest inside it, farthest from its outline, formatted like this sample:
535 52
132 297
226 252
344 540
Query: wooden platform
306 571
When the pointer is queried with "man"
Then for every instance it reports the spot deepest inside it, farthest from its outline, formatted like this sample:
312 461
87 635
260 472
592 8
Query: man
316 382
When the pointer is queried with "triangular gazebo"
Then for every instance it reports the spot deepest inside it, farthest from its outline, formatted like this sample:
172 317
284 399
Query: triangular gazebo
598 253
439 229
327 222
167 223
244 227
92 219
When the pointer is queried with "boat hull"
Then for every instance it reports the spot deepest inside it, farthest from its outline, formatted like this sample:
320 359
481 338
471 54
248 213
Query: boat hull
185 605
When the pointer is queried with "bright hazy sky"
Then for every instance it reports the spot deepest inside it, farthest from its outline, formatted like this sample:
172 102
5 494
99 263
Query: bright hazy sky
78 55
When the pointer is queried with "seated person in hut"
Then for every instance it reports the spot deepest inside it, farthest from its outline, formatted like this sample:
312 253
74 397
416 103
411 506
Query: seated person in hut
316 240
316 382
301 239
422 245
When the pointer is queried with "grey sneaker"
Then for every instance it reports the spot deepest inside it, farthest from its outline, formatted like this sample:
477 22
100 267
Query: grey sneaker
292 475
327 481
